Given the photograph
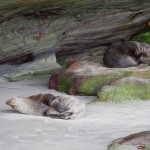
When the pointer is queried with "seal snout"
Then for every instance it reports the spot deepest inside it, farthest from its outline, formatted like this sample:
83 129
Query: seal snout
10 102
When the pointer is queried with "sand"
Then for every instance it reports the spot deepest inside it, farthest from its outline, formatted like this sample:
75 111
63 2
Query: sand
102 123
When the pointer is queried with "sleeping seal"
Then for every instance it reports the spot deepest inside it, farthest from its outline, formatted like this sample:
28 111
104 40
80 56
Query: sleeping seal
126 54
50 105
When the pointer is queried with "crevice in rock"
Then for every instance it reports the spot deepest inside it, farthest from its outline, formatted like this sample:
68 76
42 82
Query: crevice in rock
19 59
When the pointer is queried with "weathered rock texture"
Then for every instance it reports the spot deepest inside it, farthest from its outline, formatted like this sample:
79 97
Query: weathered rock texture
88 77
42 66
29 28
126 89
132 142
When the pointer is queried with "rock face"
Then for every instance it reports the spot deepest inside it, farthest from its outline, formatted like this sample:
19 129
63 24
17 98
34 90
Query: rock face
30 28
132 142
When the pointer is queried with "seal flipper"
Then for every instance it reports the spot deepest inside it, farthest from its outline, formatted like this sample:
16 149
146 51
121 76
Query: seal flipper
65 115
55 102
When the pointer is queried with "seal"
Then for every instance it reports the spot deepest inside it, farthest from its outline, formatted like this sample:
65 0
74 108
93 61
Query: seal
126 54
50 105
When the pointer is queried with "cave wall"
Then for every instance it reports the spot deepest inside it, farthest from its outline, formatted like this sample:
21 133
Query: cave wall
31 29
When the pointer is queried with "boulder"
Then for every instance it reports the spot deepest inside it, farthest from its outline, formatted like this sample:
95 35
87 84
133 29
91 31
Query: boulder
88 76
137 141
126 89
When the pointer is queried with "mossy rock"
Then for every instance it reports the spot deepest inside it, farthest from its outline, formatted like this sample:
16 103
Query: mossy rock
127 91
91 85
128 147
132 142
145 74
88 78
64 84
122 147
143 37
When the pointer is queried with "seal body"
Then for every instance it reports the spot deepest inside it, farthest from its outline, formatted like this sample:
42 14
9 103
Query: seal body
50 105
126 54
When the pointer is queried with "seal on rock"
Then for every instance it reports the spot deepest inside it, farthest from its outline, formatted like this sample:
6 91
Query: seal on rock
126 54
50 105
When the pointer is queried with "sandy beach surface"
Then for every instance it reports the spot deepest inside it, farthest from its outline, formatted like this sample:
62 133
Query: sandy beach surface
102 123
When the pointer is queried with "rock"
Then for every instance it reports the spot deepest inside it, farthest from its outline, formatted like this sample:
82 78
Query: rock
126 89
2 79
88 76
138 141
30 28
143 37
39 67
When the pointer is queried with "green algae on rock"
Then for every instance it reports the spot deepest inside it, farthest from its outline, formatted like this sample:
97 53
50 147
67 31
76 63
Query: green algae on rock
143 37
126 89
64 83
91 85
86 77
136 141
142 73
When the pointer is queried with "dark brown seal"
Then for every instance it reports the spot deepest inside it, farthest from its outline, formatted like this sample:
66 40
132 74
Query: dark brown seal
126 54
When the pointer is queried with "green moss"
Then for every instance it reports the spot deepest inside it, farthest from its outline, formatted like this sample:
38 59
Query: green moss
144 37
92 85
64 84
9 79
147 147
64 63
125 92
126 147
142 74
119 143
121 147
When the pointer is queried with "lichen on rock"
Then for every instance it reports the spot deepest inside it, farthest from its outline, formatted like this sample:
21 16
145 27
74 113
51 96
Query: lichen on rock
132 142
143 37
84 77
126 89
91 85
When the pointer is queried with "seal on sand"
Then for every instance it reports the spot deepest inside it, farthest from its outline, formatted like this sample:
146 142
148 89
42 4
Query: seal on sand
50 105
126 54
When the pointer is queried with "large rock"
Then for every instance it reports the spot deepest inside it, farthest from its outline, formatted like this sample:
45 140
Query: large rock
39 67
126 89
88 76
137 141
30 28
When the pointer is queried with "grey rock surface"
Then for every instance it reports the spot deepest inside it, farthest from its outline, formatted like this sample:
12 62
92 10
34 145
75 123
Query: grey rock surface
68 27
39 67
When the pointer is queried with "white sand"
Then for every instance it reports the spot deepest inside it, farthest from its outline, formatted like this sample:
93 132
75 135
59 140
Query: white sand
102 123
